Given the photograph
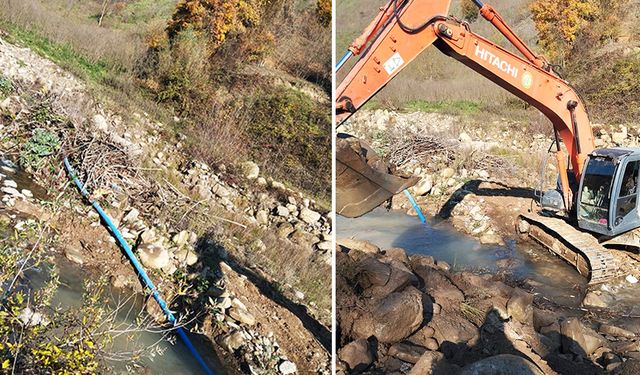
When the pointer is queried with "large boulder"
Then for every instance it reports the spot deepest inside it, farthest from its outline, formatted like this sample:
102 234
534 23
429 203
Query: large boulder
380 279
357 355
392 318
578 339
520 307
502 364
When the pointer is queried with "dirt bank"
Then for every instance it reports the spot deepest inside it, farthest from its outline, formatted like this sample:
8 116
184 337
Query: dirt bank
238 251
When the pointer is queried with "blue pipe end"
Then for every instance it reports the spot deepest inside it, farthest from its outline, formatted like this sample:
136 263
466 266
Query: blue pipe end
344 59
415 206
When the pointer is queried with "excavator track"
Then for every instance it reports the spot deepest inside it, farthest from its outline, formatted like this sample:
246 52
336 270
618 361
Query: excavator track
580 249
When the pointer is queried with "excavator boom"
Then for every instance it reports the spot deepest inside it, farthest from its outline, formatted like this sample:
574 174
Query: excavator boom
405 28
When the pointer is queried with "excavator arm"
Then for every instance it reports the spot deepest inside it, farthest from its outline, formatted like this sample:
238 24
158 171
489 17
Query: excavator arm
405 28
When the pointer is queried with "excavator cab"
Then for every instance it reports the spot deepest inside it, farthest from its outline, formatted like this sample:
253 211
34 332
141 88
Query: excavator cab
608 195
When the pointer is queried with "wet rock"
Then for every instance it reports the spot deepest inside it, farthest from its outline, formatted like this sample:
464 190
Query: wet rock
357 355
154 256
520 307
578 339
74 254
392 318
593 299
309 216
398 254
360 245
250 170
381 279
491 239
287 367
437 285
406 352
233 341
503 364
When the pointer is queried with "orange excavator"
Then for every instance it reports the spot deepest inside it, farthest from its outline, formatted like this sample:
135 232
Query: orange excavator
595 203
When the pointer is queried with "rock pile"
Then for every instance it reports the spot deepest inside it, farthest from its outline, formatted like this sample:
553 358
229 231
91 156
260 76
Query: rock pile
401 314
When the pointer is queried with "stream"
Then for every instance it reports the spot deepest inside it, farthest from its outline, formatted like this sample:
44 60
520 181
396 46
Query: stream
174 359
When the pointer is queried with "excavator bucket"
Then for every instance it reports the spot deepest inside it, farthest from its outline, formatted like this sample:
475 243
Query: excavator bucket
363 179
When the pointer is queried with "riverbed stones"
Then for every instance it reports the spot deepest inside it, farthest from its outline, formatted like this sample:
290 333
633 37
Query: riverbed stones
262 217
357 355
154 256
612 330
282 211
427 363
392 318
239 312
360 245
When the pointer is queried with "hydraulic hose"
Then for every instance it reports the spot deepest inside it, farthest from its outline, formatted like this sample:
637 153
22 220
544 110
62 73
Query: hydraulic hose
138 267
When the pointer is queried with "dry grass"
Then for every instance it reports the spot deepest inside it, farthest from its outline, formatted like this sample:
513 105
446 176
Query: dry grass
122 48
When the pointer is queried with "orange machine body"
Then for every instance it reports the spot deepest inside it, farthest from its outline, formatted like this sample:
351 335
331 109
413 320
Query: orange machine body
405 28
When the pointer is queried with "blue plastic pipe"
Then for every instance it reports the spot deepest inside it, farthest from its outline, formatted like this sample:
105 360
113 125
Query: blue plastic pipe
344 59
415 206
478 3
139 269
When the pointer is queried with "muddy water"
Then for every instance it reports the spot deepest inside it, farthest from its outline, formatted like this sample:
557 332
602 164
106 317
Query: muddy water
527 262
172 359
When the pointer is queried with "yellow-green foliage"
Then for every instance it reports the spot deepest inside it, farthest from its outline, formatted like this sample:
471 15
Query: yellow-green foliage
323 10
217 18
559 22
612 90
295 132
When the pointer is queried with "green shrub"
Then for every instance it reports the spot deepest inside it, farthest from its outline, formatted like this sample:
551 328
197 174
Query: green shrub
5 86
35 151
